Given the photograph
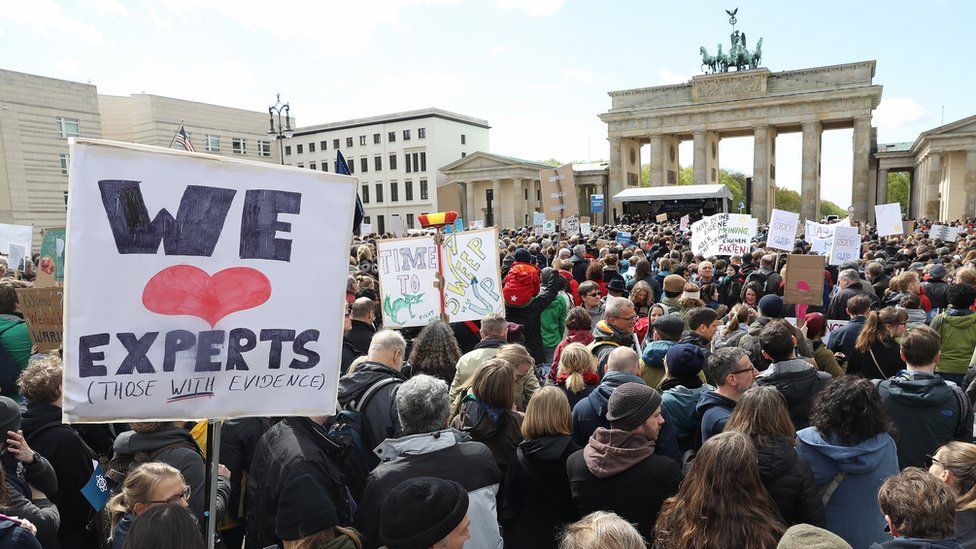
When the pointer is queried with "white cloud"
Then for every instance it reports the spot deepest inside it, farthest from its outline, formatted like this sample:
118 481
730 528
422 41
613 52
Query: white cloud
665 76
532 8
500 48
108 7
570 73
158 20
49 19
894 113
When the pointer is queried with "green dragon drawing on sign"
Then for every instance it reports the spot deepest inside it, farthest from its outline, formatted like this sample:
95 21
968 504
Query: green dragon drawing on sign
393 308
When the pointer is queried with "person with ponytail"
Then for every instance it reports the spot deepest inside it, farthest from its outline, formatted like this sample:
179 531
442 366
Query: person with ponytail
877 354
147 485
955 465
736 326
577 375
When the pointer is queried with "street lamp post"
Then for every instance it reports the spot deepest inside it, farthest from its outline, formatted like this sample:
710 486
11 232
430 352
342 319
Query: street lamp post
282 131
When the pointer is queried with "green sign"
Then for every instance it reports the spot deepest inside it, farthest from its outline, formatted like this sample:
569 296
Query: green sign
52 254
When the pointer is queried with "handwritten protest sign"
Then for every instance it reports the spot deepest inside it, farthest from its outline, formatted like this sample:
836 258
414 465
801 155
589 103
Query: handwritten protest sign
397 228
571 225
42 309
221 304
723 234
51 267
684 222
16 257
472 276
804 279
407 275
549 226
538 218
888 217
661 218
782 230
846 245
585 229
819 236
831 325
19 234
558 192
944 233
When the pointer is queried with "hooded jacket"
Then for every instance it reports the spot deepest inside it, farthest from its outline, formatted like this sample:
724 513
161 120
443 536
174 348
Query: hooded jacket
958 331
799 383
713 411
679 404
928 412
852 512
618 471
446 454
538 495
530 315
606 338
789 481
591 412
379 415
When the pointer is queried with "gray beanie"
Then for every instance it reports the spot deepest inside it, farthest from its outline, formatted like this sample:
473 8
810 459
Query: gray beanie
804 536
9 416
631 404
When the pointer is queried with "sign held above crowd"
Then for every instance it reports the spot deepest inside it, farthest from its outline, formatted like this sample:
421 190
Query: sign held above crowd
558 192
723 234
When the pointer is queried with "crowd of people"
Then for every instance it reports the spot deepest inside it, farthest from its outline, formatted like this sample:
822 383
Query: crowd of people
630 395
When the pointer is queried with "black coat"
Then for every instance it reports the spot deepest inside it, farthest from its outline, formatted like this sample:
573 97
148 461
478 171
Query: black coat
888 359
799 382
238 441
540 499
530 317
379 415
360 335
938 293
789 481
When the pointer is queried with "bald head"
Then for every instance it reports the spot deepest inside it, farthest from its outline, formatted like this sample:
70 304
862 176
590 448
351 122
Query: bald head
623 359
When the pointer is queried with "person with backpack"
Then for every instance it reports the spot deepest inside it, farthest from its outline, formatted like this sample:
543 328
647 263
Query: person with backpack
370 390
768 279
529 311
15 341
957 328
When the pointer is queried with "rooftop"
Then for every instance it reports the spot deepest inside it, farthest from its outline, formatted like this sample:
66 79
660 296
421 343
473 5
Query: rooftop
894 147
393 117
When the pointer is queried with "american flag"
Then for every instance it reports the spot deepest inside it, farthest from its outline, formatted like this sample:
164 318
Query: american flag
183 139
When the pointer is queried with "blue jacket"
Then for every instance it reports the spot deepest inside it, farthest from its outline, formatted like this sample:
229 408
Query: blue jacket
679 405
713 411
842 339
852 512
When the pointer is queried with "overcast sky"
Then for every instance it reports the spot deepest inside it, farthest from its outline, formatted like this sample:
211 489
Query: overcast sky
537 70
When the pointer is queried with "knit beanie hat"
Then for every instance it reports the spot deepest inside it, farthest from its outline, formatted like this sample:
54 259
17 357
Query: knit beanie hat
815 323
674 283
523 255
9 416
421 511
685 359
771 306
804 536
304 509
631 404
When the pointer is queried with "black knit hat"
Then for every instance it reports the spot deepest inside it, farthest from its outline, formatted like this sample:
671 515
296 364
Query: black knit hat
631 404
304 509
9 416
421 511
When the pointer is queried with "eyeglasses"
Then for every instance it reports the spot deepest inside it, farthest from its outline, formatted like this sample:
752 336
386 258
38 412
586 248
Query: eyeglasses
929 460
593 294
632 318
742 371
183 496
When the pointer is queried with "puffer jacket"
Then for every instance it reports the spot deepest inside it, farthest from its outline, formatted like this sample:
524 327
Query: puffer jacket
958 331
799 383
789 481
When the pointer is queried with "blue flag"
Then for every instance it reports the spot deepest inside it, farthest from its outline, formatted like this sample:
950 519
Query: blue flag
96 491
343 169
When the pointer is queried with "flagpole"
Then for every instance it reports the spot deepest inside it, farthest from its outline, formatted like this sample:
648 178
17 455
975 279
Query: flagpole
175 135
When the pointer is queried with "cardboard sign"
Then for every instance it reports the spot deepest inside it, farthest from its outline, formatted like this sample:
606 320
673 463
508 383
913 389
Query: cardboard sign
538 218
16 257
723 234
846 245
221 302
585 229
909 226
558 192
782 230
804 279
42 309
472 275
888 219
685 219
571 225
549 226
19 234
661 218
51 267
408 281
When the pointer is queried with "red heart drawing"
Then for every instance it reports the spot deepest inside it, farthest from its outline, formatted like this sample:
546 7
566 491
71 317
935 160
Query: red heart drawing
801 308
188 290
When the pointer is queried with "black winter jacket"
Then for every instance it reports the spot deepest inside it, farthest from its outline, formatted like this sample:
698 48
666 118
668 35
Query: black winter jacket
789 481
238 441
938 293
799 382
530 315
380 420
360 335
539 498
887 355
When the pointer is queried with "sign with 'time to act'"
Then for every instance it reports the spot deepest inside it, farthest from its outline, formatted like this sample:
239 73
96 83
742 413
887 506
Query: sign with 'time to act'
201 287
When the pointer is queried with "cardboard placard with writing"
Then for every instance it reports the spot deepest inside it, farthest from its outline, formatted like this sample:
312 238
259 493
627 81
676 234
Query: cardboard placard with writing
661 218
804 279
42 309
558 192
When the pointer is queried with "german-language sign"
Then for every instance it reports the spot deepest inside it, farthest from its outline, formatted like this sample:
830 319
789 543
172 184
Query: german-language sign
42 309
723 234
846 245
408 275
51 266
472 275
782 230
558 192
223 301
888 218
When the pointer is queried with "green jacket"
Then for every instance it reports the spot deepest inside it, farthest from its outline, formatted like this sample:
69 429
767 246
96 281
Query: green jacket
17 342
958 331
825 360
554 322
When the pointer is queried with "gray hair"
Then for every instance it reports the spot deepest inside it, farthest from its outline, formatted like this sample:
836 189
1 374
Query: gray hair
723 362
616 305
388 340
579 250
849 275
423 404
534 248
564 253
495 325
623 359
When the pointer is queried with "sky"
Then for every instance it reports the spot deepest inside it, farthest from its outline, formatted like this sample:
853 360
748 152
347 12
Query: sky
537 70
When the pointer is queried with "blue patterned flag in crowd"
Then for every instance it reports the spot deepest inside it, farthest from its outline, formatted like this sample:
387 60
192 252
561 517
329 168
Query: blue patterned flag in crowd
96 491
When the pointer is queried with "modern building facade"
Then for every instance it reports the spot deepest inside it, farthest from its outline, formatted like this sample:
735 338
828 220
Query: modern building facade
396 158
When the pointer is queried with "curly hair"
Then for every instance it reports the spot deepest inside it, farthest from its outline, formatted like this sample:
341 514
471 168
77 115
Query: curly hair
435 351
41 381
849 409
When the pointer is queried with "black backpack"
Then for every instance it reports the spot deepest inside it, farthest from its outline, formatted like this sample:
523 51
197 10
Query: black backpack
347 425
121 464
9 371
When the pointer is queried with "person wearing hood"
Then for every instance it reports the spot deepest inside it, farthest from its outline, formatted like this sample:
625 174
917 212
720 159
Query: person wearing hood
850 284
681 389
538 493
529 315
936 288
579 329
957 328
428 449
851 454
955 465
382 370
919 511
618 470
795 378
926 411
307 518
615 330
665 333
733 373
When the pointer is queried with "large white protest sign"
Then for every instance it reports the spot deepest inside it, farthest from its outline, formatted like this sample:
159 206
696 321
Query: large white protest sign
944 233
723 234
366 229
549 226
571 225
538 218
782 230
408 273
888 217
397 228
585 229
472 275
845 246
819 236
18 234
222 302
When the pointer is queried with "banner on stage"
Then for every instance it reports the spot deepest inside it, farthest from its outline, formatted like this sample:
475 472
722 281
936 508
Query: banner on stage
221 302
408 281
472 275
782 230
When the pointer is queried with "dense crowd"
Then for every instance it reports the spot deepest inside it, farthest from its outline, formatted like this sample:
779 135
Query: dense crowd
631 395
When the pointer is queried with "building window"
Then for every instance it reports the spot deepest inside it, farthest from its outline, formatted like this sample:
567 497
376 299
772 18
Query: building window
463 155
380 225
65 163
416 163
464 140
312 166
423 161
335 143
351 164
392 161
408 188
377 163
264 148
366 219
348 142
406 135
239 145
325 165
68 127
423 189
364 164
394 192
365 194
299 149
376 139
322 145
362 140
422 133
300 165
212 143
391 137
311 147
406 162
410 220
379 193
287 150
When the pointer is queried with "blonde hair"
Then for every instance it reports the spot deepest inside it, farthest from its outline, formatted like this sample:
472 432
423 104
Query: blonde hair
547 414
41 381
515 354
138 486
574 361
601 530
959 458
323 537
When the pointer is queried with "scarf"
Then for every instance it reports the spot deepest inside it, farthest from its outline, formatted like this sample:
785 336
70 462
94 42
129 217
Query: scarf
691 382
589 377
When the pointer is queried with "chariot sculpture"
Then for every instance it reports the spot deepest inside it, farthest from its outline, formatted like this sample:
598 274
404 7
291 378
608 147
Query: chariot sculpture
739 57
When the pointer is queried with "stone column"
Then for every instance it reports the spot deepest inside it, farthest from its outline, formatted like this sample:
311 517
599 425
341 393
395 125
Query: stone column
657 177
700 162
970 184
810 178
882 187
470 191
763 184
496 202
862 159
933 179
462 194
530 185
618 172
520 203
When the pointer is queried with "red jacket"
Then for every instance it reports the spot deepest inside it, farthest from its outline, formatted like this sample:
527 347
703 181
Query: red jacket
573 287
